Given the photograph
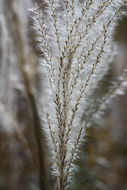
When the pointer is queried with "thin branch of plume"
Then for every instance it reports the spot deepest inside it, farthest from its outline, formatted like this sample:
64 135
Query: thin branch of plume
75 40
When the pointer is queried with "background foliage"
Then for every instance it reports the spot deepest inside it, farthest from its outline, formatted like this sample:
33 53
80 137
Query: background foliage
102 165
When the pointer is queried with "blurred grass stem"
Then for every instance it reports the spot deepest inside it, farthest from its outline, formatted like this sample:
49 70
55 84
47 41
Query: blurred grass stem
14 27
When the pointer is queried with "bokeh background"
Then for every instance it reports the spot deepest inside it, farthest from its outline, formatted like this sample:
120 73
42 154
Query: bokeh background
102 163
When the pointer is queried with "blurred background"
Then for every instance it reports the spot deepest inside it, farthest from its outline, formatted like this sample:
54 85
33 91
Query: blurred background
103 158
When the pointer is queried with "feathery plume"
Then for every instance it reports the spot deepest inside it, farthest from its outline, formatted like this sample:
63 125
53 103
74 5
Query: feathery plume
75 39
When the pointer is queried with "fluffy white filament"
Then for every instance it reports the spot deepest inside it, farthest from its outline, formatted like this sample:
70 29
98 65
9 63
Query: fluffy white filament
75 39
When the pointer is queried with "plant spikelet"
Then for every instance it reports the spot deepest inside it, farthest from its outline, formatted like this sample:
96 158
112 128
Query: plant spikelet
75 40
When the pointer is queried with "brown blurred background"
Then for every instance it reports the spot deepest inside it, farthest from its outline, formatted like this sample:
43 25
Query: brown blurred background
103 161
